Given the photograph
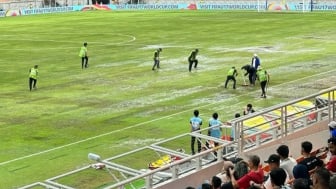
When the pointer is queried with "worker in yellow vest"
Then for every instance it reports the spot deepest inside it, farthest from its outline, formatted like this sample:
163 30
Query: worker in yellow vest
84 56
263 78
231 75
33 72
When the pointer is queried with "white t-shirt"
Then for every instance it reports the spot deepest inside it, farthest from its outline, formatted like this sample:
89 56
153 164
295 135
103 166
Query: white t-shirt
288 165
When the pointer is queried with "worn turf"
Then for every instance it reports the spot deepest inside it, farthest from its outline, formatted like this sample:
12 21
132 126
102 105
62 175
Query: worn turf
119 104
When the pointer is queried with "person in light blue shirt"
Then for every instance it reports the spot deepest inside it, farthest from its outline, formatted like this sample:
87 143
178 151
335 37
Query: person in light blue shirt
214 128
195 125
214 123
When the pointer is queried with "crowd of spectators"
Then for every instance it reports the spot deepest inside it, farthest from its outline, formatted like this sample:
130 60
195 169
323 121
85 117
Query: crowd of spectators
312 170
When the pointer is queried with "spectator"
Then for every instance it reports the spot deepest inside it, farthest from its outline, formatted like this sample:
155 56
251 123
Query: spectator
278 178
300 184
274 163
332 128
301 172
233 129
286 162
249 109
309 160
240 169
331 164
256 174
321 178
332 183
216 182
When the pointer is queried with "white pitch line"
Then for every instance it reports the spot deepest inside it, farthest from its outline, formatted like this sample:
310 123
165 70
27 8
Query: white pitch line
150 121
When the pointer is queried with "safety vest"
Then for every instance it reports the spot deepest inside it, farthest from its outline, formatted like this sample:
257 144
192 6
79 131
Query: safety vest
262 75
33 73
82 52
231 72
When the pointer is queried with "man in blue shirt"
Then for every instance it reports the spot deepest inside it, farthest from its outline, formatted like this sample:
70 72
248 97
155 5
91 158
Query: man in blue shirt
255 63
195 125
214 128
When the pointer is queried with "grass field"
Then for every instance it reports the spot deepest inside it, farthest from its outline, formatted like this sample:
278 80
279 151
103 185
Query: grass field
119 104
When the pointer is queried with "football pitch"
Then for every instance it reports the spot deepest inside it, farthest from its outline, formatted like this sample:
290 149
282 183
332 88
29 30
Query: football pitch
119 104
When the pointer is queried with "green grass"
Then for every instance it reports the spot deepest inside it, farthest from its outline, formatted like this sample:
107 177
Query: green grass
121 96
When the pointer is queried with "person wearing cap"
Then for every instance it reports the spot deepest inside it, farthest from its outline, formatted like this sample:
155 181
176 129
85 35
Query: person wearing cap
331 164
192 59
273 163
263 78
255 63
157 58
286 162
33 73
251 72
231 75
83 53
332 128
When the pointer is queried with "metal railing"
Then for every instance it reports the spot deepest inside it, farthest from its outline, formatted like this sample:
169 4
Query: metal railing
280 124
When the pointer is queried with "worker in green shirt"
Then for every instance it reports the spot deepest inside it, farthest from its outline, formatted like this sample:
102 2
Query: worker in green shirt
33 72
263 78
231 75
84 56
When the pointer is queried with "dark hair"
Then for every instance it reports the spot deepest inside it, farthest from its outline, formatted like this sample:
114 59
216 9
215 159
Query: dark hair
196 113
255 160
206 186
283 151
216 182
241 169
278 176
160 49
332 140
249 105
237 115
301 171
85 43
322 175
189 187
307 146
215 115
300 184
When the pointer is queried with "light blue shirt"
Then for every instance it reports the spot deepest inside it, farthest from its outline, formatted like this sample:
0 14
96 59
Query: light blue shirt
196 123
214 130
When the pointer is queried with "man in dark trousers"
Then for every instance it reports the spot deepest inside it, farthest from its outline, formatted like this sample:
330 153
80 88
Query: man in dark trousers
33 72
250 71
263 78
195 125
231 75
84 56
255 63
157 58
192 59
